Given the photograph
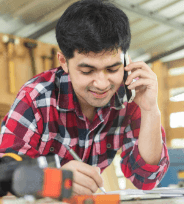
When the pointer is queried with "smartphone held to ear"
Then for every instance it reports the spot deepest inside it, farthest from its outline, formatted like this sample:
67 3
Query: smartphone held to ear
129 92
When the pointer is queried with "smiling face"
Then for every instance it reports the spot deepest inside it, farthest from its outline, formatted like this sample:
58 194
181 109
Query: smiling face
95 77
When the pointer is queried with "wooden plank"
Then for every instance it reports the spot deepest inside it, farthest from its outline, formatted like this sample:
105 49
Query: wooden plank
174 107
4 108
110 182
163 95
175 63
175 81
173 133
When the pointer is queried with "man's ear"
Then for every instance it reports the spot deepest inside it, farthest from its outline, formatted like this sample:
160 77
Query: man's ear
62 61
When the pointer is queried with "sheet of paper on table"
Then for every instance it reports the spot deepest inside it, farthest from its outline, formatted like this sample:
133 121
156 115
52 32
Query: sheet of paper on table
131 194
166 190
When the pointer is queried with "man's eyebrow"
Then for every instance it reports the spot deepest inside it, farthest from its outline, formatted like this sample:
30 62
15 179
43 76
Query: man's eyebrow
85 65
90 66
114 65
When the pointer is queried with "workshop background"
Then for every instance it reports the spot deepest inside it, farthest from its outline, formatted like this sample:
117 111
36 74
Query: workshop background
28 47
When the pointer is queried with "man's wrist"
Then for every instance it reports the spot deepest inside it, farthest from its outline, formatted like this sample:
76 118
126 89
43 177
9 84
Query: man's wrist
153 111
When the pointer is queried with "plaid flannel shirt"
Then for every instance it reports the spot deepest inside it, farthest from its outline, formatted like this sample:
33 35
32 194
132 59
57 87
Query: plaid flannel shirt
46 114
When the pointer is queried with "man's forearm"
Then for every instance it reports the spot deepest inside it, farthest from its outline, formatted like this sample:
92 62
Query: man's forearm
150 137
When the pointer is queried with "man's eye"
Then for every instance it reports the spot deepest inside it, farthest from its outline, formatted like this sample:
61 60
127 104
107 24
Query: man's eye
86 73
112 71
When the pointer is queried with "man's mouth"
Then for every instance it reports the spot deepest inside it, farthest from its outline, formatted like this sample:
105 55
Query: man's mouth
99 95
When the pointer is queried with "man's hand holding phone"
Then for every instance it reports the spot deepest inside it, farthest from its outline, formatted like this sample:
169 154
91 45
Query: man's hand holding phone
145 85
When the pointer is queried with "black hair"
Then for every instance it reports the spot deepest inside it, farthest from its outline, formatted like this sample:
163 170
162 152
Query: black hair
92 25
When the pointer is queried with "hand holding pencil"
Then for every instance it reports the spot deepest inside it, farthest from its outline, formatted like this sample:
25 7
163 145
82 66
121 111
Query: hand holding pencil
87 179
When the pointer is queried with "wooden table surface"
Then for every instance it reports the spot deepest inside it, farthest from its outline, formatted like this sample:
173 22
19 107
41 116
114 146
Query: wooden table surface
14 200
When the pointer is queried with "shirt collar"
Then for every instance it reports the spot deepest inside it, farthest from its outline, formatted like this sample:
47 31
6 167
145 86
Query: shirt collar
66 95
120 100
67 99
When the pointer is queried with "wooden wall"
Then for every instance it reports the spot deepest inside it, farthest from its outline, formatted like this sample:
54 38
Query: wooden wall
17 67
175 82
165 83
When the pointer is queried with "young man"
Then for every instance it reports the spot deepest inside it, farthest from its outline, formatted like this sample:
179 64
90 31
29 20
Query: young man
83 104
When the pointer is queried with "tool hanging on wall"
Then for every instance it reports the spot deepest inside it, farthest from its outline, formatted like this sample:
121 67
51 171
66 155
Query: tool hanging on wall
54 57
46 60
31 46
10 42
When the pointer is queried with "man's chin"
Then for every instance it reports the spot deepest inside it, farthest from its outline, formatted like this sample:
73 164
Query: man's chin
99 103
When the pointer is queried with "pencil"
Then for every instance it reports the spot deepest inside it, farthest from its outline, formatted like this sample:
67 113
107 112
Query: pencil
76 157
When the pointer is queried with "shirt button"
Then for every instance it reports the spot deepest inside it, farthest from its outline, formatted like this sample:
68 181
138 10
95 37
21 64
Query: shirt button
108 145
51 149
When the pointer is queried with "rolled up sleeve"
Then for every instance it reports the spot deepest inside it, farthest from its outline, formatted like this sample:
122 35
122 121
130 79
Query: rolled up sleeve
143 176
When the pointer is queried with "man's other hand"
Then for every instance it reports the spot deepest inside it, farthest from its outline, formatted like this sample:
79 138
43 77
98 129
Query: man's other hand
86 178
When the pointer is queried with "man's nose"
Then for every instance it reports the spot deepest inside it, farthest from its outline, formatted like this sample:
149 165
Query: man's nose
101 80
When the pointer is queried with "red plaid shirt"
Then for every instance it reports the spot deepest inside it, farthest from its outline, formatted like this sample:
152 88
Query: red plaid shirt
46 114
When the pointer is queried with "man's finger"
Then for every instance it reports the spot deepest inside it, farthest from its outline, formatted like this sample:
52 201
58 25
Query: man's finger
130 60
85 181
138 65
98 169
80 190
91 172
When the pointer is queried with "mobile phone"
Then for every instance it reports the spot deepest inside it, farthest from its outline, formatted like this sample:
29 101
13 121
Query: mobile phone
129 92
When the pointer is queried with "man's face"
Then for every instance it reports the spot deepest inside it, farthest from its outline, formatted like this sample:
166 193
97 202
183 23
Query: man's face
95 77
